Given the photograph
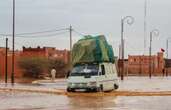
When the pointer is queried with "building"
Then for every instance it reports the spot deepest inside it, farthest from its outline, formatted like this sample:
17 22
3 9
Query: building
45 52
167 66
119 66
9 63
140 64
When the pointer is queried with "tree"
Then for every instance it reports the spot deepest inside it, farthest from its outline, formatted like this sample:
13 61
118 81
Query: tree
32 66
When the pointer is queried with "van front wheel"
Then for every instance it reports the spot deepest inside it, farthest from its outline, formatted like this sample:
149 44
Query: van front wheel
101 88
70 90
116 86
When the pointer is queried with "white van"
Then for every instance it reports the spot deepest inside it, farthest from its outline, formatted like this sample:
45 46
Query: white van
93 77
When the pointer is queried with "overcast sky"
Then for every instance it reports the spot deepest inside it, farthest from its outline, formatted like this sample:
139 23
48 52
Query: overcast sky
92 17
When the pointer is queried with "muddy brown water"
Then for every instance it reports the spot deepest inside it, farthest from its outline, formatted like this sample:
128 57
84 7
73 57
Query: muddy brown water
92 101
37 101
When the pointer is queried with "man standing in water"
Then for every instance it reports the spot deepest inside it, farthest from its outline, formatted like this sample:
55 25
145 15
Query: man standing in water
53 74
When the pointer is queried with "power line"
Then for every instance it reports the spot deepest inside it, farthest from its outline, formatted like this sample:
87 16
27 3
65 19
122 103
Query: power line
40 32
43 33
36 36
40 36
78 33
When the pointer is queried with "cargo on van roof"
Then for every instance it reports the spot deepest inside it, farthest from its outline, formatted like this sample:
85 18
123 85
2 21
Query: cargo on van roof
92 49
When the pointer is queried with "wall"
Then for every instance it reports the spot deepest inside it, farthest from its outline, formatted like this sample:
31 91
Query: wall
139 64
45 52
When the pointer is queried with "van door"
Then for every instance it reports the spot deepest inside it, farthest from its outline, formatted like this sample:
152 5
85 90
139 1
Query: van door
103 78
109 76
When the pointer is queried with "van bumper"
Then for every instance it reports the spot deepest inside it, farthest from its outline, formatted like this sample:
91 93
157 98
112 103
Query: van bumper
73 89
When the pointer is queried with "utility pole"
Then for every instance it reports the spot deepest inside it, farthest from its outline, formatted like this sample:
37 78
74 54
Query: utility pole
145 24
119 61
150 55
70 32
122 50
6 61
13 41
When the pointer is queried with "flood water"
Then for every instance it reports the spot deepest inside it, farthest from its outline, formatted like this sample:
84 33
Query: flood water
35 101
128 84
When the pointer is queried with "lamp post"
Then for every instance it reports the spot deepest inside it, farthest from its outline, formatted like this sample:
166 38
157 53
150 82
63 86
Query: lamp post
167 53
154 32
6 61
167 47
13 40
129 20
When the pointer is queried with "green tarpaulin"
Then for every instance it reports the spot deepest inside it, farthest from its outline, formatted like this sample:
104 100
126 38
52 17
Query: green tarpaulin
92 49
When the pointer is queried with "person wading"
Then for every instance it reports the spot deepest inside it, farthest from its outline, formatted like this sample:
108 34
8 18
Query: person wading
53 74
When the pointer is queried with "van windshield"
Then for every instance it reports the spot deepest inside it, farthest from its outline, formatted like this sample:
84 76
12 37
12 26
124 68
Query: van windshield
82 70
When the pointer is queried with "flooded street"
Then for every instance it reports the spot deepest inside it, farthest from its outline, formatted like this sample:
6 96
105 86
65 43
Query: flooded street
11 100
34 101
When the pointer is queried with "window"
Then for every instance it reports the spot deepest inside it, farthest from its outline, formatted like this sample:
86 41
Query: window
103 69
85 69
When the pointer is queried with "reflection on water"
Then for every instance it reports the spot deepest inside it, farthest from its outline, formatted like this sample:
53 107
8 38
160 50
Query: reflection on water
91 102
34 101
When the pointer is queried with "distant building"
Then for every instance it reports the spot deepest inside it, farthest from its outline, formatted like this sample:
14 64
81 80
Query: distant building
119 66
9 66
140 64
167 66
46 52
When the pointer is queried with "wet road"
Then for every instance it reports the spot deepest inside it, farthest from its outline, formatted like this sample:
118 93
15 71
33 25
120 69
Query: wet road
34 101
38 101
129 84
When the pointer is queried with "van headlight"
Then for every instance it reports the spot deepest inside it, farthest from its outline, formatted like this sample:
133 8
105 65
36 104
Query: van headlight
92 83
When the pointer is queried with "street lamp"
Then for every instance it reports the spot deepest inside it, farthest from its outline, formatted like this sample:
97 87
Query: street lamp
167 47
154 32
167 53
129 20
13 40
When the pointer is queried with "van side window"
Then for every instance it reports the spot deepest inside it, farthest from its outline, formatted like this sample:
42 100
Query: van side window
103 69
